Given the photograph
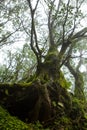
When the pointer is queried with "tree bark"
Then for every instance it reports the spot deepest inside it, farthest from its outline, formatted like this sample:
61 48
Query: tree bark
79 82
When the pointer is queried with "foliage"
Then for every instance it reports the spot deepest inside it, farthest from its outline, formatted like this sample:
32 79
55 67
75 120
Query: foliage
38 126
8 122
18 65
63 82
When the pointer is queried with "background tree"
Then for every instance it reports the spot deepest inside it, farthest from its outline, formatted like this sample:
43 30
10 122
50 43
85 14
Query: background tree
18 66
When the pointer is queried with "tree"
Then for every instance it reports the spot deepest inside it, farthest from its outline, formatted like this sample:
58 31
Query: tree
45 98
67 40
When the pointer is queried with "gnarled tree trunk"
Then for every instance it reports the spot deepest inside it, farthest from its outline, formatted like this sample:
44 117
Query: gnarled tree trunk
35 100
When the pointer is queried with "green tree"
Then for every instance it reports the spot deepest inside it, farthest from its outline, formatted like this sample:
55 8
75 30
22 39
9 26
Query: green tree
53 42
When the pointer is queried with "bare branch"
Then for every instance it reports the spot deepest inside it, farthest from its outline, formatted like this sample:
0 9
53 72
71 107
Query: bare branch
81 3
36 5
35 49
65 20
80 34
58 6
50 23
30 5
69 66
24 27
80 61
5 38
29 2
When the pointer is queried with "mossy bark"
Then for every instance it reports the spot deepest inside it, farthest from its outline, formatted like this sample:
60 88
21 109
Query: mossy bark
79 82
79 86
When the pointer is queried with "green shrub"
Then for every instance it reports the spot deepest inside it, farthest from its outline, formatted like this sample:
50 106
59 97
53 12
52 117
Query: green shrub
8 122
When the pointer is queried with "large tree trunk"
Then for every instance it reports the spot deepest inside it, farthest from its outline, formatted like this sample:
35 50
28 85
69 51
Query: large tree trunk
35 100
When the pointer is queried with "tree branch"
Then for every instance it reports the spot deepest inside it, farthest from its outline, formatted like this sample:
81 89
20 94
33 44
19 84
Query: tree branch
5 38
35 49
65 20
79 35
50 23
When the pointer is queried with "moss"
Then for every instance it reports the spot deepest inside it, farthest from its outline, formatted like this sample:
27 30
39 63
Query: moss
8 85
25 84
77 109
8 122
63 123
79 86
37 126
78 118
63 82
66 122
51 55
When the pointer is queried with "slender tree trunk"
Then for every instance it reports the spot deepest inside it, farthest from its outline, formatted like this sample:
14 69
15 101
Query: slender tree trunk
79 86
79 82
